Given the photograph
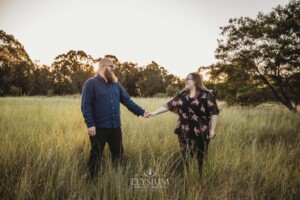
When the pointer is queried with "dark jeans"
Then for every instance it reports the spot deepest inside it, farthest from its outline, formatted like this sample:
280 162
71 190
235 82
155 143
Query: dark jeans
194 146
113 136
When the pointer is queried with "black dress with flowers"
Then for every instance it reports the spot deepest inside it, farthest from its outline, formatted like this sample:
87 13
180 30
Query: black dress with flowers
194 113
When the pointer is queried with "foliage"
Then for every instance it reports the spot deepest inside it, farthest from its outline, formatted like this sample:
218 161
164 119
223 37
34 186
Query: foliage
69 71
259 57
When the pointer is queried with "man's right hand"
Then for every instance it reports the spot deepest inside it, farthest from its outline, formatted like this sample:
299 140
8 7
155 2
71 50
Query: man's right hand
92 131
146 114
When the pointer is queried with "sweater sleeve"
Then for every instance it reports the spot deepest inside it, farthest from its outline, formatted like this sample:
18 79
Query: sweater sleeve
173 104
212 105
87 103
127 101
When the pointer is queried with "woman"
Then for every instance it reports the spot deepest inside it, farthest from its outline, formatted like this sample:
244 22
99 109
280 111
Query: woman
198 111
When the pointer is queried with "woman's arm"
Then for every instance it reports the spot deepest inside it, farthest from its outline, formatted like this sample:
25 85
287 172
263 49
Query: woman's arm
213 123
172 105
158 111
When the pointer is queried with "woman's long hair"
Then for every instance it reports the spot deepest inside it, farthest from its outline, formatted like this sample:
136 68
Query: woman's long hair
197 78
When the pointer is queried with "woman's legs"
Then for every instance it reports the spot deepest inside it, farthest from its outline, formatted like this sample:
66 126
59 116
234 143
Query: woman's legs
200 148
183 142
190 146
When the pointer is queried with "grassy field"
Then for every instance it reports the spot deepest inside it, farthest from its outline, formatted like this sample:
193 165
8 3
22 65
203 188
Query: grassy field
44 148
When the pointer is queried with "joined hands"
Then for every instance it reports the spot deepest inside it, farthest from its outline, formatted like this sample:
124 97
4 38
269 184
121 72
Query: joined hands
148 114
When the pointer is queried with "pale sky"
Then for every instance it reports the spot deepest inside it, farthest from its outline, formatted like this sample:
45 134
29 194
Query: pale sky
180 35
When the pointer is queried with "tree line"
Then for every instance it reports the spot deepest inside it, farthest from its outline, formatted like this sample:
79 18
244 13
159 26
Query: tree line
19 75
258 60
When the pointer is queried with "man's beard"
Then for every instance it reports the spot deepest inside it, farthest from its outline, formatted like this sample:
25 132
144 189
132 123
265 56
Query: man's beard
110 76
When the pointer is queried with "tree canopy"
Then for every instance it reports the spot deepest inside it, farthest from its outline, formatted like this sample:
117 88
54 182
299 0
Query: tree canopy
259 59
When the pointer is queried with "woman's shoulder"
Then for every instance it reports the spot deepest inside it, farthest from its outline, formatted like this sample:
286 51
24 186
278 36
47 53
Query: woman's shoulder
206 94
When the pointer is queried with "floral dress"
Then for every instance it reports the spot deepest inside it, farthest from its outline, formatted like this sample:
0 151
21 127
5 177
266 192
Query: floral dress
194 113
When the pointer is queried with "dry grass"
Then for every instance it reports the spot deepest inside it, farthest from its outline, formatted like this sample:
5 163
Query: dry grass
44 149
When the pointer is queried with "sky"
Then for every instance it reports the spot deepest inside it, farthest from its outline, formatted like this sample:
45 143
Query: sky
180 35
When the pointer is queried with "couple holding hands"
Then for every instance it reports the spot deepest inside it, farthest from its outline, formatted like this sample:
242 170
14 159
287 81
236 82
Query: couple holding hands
101 97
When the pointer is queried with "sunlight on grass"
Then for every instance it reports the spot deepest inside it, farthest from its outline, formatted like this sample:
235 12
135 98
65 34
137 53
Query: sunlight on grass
44 148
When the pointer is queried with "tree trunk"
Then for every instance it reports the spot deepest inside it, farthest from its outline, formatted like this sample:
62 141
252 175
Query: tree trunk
291 107
286 102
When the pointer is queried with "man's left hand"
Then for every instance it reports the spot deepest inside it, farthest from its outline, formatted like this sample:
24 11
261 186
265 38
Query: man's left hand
146 114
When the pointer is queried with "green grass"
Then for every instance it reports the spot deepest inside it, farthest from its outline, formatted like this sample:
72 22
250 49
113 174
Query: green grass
44 148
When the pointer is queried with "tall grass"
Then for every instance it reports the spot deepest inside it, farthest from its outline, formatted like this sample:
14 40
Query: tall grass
44 148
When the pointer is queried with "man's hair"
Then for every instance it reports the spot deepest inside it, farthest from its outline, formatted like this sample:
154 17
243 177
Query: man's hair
103 62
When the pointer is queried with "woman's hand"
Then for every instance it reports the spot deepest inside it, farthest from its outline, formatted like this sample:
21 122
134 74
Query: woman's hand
158 111
152 114
212 134
213 124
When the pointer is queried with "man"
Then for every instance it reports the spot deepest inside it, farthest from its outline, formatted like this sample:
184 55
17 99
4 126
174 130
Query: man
100 106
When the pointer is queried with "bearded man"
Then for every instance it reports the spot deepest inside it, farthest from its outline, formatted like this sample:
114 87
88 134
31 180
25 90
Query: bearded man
100 106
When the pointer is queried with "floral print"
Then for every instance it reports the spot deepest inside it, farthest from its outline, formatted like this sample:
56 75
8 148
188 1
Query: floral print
194 113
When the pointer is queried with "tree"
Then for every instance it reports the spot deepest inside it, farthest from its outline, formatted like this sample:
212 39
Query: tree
128 74
172 91
262 54
173 84
19 75
40 81
70 71
15 66
152 80
234 85
148 81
